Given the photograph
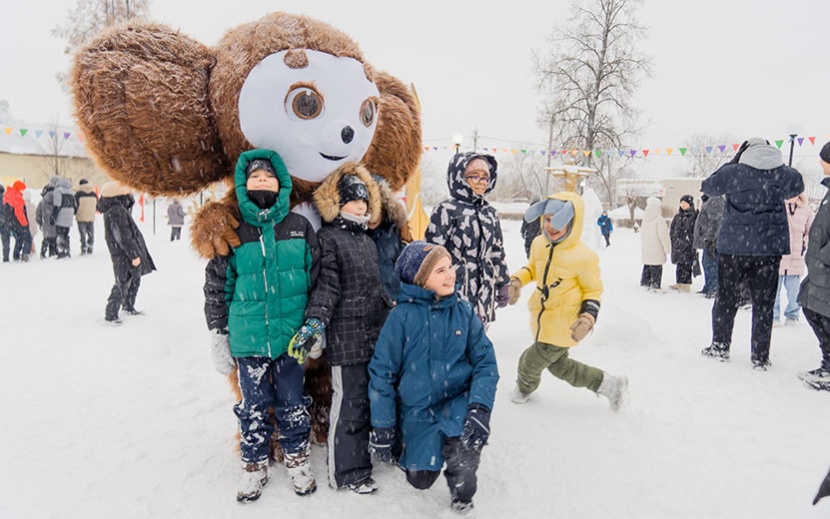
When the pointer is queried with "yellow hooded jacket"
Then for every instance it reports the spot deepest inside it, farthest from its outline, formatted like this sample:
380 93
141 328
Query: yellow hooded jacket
570 270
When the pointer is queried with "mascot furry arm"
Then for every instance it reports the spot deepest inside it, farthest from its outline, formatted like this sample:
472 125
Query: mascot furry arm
168 115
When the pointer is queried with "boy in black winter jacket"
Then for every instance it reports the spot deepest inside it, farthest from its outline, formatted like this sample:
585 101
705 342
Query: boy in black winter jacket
130 258
349 303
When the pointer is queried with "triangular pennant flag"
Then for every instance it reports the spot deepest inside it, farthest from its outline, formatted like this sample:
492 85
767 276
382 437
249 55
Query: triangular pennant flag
23 132
620 153
656 152
513 151
598 153
633 152
52 135
695 150
38 133
426 148
564 152
523 151
586 152
435 148
504 150
722 148
8 130
779 143
66 135
495 150
552 153
812 140
683 151
735 147
709 149
669 150
645 153
800 141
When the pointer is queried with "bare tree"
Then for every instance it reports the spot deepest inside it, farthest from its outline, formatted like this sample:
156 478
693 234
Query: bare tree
706 153
588 76
632 190
90 17
520 177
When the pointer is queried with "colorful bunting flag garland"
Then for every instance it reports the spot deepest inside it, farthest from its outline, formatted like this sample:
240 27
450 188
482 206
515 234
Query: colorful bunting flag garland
22 132
642 152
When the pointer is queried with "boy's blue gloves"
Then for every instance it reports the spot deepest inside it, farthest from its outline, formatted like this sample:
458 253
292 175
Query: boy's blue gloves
476 427
380 443
303 340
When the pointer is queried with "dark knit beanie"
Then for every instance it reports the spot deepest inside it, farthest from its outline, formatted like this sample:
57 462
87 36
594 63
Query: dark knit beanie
83 181
350 187
825 153
256 164
688 199
417 260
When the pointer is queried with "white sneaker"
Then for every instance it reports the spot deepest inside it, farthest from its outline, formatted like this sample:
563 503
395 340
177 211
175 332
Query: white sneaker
517 397
615 389
367 486
254 477
299 469
791 321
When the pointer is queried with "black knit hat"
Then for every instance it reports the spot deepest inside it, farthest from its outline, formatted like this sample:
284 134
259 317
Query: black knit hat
83 181
688 199
350 187
256 164
825 153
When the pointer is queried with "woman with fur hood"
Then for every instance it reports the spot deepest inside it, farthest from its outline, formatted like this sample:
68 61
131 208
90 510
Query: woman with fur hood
655 244
468 227
348 303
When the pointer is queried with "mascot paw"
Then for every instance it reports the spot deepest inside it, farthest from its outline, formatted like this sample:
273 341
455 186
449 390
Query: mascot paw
212 231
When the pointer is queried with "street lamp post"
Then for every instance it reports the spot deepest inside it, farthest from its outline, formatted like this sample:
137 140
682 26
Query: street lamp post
792 145
457 139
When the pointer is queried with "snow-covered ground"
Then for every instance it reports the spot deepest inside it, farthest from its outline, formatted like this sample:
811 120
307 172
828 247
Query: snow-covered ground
133 422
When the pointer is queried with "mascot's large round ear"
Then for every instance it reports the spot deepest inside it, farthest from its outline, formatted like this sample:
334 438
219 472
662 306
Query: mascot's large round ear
141 99
396 149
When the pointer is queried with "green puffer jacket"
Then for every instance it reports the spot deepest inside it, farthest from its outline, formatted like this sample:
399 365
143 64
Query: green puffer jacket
259 292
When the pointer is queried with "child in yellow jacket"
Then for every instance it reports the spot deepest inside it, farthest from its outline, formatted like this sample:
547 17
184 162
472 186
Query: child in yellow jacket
565 304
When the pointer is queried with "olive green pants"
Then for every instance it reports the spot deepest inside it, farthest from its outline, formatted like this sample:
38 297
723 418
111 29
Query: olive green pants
543 356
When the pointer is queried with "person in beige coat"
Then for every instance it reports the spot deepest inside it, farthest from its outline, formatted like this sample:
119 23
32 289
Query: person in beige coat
655 244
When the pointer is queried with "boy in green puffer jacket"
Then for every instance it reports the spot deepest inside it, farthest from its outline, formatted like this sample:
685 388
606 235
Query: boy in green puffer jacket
255 301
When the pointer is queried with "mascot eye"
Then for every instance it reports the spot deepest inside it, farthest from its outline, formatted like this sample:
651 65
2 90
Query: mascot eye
305 103
367 112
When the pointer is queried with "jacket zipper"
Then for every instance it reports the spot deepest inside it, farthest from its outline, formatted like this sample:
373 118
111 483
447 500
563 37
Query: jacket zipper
544 295
265 280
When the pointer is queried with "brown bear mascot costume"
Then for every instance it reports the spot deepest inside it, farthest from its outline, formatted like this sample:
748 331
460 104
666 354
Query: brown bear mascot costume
169 116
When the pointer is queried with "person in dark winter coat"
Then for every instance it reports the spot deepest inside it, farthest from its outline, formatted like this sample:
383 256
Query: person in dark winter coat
814 296
86 202
175 219
255 301
753 236
130 258
432 385
605 227
683 253
5 234
17 220
530 230
707 226
349 303
46 220
468 227
63 213
390 234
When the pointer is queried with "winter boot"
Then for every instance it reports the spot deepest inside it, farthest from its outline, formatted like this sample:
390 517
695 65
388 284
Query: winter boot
367 486
615 389
716 350
818 379
681 287
761 364
517 397
791 321
461 507
254 477
299 469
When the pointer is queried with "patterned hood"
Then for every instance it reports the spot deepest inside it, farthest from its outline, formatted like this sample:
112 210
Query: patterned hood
459 188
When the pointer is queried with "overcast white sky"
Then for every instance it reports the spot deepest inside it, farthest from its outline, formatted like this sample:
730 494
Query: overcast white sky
722 67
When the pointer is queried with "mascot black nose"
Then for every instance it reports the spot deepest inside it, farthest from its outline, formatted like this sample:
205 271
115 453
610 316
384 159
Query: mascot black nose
347 134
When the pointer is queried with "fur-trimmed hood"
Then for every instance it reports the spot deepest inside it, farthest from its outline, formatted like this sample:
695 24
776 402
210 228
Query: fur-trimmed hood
393 209
327 197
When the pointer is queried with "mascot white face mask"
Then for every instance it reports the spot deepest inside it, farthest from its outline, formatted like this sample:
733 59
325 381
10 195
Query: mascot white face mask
316 117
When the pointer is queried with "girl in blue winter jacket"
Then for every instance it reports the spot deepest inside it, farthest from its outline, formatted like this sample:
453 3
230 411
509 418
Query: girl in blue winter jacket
433 377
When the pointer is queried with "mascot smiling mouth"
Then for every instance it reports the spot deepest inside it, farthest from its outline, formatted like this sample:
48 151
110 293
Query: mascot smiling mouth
330 157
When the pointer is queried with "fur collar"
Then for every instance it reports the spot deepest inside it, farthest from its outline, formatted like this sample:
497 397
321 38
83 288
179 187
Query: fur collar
327 198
